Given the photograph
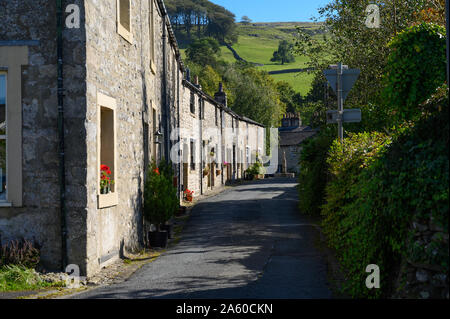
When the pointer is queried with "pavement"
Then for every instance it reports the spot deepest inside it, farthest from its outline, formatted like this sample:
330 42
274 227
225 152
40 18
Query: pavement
249 241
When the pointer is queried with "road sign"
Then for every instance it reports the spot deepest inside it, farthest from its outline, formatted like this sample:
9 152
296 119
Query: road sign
349 116
348 78
341 80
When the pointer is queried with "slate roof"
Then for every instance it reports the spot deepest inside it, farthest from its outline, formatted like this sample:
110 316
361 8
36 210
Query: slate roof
295 136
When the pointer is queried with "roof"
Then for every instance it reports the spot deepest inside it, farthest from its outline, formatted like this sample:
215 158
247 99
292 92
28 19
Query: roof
213 101
295 136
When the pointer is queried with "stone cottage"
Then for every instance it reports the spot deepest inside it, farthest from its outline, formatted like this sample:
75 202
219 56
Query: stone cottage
85 83
292 134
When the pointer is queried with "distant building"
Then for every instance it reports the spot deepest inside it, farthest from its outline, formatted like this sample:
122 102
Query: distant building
292 134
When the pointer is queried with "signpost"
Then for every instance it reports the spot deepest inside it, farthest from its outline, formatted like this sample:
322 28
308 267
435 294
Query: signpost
349 116
341 80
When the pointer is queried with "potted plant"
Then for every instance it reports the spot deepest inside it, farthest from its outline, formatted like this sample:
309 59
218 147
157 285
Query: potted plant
188 195
206 171
256 171
105 179
160 202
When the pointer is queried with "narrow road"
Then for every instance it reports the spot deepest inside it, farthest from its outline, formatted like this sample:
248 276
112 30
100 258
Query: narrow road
247 242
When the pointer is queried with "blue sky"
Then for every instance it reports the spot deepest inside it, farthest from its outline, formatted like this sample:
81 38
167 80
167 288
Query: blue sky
273 10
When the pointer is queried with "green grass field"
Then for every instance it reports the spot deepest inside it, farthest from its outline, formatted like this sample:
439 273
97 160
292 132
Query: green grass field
258 41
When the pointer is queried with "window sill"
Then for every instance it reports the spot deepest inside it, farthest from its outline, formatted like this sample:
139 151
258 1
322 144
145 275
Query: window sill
125 33
5 204
107 200
153 67
193 115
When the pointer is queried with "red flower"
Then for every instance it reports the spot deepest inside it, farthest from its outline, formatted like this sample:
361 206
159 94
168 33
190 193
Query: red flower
156 170
104 168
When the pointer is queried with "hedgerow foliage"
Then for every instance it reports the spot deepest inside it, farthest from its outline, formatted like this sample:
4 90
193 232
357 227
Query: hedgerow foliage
313 173
415 67
379 186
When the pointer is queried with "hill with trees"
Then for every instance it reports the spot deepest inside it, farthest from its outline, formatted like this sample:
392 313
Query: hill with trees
201 18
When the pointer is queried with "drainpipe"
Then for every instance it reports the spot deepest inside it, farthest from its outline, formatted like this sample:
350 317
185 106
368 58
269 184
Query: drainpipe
166 111
62 175
179 137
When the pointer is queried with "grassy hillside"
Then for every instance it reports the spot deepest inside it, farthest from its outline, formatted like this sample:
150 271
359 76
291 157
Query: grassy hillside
258 41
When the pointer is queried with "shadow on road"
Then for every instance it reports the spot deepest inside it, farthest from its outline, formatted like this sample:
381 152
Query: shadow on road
248 242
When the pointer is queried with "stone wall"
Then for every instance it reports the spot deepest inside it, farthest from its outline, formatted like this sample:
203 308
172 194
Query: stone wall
419 277
39 216
292 157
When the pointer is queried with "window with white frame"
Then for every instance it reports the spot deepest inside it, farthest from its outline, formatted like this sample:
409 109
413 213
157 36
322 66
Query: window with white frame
192 103
106 154
217 116
192 153
3 137
124 19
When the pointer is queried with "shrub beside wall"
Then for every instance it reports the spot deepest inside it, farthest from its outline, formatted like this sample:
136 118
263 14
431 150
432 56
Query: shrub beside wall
313 172
387 204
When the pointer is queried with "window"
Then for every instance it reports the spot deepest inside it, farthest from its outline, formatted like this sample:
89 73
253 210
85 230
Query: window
151 32
201 107
247 155
124 19
106 154
203 159
192 105
3 135
217 117
11 144
154 134
192 152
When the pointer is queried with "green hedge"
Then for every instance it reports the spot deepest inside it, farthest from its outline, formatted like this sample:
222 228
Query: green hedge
312 176
379 186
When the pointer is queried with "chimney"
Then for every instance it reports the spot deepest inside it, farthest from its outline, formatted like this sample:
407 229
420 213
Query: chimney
196 83
221 96
188 75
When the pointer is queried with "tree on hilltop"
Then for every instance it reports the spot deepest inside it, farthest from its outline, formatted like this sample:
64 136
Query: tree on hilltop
246 20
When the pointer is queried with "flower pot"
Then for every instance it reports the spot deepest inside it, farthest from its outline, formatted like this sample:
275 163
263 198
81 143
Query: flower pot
169 229
218 172
181 211
158 239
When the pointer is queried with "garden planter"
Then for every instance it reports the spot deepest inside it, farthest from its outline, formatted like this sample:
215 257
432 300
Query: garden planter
218 172
158 239
169 229
181 211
